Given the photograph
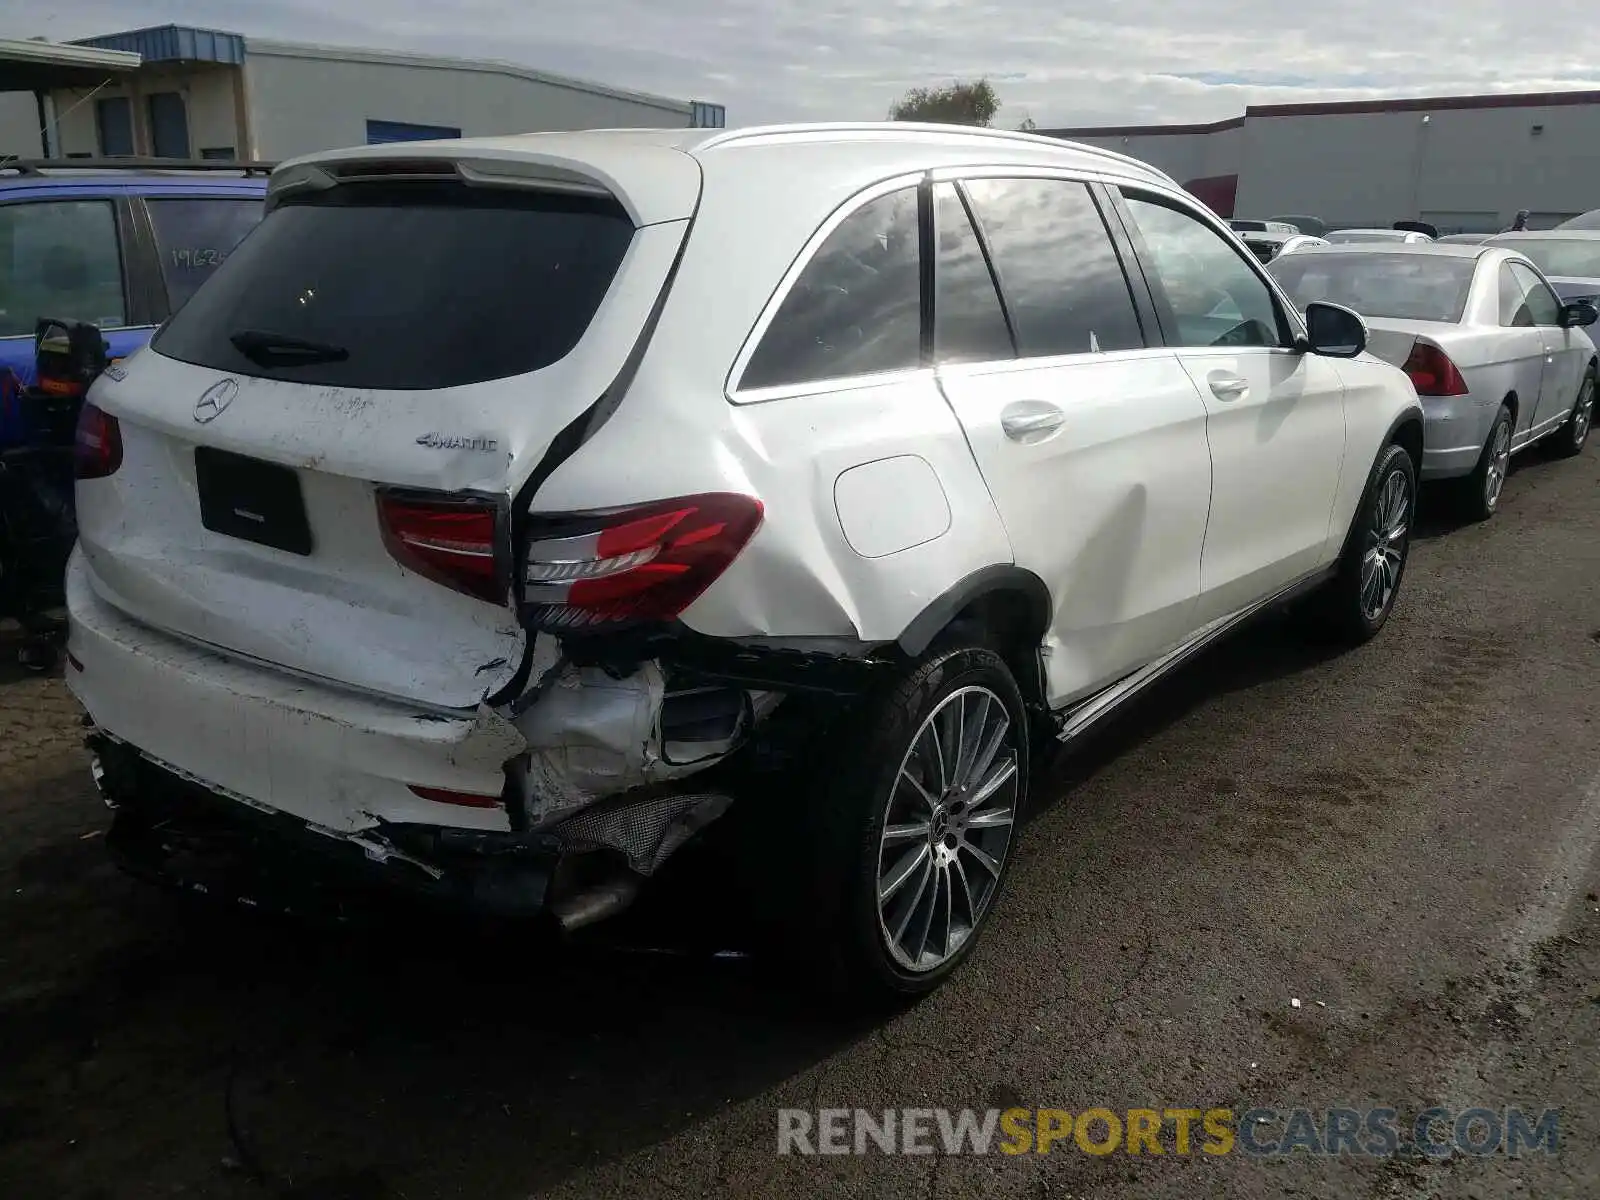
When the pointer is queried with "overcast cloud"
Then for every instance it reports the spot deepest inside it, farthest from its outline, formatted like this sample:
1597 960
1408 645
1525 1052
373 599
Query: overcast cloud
1062 62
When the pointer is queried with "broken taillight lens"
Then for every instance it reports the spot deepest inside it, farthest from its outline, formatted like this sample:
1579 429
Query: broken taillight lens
644 563
449 540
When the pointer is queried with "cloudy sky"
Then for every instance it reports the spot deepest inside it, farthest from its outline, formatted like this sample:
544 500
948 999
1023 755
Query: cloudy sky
1062 62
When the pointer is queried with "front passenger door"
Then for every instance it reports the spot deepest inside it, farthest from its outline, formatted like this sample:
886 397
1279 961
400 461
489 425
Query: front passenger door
1274 414
1566 351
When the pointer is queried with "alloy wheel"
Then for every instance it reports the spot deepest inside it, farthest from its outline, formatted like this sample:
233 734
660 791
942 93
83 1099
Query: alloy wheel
947 829
1494 479
1386 540
1583 412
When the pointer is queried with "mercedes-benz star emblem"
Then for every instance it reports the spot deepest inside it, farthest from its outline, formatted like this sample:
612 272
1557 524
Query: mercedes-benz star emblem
214 399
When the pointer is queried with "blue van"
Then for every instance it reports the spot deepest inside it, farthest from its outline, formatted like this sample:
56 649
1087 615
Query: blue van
119 242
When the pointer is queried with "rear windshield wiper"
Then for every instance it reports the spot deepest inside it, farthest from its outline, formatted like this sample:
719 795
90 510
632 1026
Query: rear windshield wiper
267 349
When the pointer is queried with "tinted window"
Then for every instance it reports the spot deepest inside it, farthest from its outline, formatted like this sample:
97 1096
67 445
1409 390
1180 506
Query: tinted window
1513 302
1561 257
1542 303
426 286
1216 299
856 308
968 323
59 259
1408 287
1060 276
193 238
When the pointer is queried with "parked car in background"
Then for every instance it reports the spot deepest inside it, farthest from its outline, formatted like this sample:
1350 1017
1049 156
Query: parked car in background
1313 226
1267 246
121 243
1588 220
1409 237
1277 227
1464 239
1499 361
466 544
1569 258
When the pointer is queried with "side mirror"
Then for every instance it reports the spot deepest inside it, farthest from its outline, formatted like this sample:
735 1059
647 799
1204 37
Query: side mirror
1579 312
1334 330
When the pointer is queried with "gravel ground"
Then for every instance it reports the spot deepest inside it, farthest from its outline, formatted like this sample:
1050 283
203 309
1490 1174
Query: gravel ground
1402 837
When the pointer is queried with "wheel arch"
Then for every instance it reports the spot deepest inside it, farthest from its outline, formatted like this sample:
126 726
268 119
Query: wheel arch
1515 405
1009 604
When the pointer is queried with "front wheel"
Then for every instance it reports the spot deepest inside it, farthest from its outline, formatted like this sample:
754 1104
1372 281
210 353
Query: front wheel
1569 439
919 825
1356 603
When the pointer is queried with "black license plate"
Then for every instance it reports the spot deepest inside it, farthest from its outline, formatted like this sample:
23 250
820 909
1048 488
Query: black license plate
252 500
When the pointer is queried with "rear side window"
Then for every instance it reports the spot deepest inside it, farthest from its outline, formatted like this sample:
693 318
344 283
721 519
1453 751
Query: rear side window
968 322
59 258
406 287
1062 281
195 235
856 307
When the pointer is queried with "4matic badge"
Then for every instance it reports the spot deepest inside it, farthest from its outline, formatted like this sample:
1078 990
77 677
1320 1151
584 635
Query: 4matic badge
455 441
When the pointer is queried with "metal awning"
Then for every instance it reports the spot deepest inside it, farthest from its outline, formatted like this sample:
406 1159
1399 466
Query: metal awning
30 66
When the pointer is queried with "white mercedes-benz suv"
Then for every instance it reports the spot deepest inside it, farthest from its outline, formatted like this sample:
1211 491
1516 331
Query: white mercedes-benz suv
503 508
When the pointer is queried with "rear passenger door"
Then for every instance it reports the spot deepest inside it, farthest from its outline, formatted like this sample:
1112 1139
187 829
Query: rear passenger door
1091 439
1274 413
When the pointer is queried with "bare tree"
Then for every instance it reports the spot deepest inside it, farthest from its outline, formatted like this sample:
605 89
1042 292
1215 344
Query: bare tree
961 103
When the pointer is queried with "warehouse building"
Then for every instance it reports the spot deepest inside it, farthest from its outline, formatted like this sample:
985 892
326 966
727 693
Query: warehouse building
179 92
1463 163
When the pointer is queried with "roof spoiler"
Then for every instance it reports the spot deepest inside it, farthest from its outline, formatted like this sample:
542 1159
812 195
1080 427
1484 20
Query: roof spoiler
1418 227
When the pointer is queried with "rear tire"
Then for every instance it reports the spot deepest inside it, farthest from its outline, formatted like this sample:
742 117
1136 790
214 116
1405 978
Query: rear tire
915 830
1353 606
1479 496
1568 441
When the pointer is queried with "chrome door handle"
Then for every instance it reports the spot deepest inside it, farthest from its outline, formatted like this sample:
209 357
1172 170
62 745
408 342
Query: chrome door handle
1227 387
1031 420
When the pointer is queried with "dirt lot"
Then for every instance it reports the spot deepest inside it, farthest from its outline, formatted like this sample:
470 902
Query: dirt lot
1403 837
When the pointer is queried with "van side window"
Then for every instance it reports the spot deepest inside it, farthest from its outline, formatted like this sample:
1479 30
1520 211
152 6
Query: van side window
856 307
59 259
1059 274
968 323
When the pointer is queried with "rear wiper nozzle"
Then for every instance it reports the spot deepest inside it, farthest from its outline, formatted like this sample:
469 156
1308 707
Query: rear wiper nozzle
267 349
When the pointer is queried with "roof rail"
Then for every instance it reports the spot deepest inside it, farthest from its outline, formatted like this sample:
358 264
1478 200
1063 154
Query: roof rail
38 166
725 136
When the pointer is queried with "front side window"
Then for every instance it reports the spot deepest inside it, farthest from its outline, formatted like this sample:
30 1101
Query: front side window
1216 299
59 258
968 323
1059 273
856 307
1543 307
194 236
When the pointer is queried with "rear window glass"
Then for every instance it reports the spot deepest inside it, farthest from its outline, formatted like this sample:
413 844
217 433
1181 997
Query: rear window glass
406 287
1569 257
194 236
1404 287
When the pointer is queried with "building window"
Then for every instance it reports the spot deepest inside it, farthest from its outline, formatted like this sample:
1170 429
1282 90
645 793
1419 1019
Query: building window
169 125
707 116
114 122
218 153
383 132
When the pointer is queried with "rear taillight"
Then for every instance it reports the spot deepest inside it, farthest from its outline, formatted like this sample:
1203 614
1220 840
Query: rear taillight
1432 373
450 541
97 450
646 563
